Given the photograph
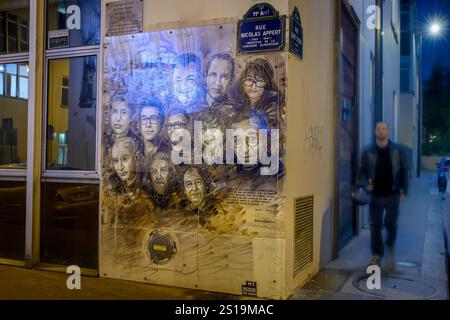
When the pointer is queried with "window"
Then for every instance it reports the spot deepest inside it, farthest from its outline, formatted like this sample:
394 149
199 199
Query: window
395 106
22 87
62 150
405 21
405 44
71 121
14 26
64 92
73 23
14 80
404 80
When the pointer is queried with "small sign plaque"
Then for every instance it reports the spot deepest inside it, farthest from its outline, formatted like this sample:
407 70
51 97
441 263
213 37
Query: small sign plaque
261 30
58 39
296 34
249 289
123 17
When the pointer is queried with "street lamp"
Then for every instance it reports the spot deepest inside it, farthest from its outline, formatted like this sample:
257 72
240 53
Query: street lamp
435 29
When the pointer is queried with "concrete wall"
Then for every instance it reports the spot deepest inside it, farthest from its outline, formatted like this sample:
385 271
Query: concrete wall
366 71
406 118
310 105
407 124
160 15
391 64
366 82
410 99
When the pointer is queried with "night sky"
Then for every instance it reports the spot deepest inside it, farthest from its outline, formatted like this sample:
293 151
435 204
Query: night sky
434 48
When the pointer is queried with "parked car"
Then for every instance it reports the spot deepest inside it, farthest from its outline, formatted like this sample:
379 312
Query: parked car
446 222
443 170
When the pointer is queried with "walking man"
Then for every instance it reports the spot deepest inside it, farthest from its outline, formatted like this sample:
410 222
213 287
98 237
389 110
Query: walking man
385 168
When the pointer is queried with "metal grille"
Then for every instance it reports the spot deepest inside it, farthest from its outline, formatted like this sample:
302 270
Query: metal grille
303 232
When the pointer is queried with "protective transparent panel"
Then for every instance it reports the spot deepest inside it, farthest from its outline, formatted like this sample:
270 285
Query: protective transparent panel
193 151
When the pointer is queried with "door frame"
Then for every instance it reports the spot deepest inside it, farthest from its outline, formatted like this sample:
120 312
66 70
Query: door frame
344 5
42 175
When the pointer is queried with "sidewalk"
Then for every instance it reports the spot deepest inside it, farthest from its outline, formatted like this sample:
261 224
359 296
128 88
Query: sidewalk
20 283
420 253
420 256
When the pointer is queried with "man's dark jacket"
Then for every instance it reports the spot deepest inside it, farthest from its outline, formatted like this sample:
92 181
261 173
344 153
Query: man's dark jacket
400 168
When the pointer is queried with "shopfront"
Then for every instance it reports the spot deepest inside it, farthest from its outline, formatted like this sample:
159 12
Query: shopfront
174 155
59 174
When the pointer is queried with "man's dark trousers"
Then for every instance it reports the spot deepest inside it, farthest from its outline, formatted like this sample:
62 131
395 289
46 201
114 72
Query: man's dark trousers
378 205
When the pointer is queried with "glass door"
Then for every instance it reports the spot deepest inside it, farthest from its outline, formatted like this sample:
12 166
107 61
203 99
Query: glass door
70 172
14 29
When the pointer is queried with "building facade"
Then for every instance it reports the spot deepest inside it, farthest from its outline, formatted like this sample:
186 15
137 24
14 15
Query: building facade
409 118
84 182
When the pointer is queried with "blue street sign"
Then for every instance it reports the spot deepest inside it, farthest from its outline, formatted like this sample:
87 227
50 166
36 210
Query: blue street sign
261 30
296 34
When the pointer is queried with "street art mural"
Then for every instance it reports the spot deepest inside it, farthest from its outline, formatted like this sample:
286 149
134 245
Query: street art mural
192 160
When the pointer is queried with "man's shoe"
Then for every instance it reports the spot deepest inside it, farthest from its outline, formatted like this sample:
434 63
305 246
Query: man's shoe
375 261
390 260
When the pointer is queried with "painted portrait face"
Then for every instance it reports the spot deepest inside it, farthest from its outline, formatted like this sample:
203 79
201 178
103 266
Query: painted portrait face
253 87
194 187
185 83
210 134
176 123
120 118
160 175
246 141
218 79
123 161
150 123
